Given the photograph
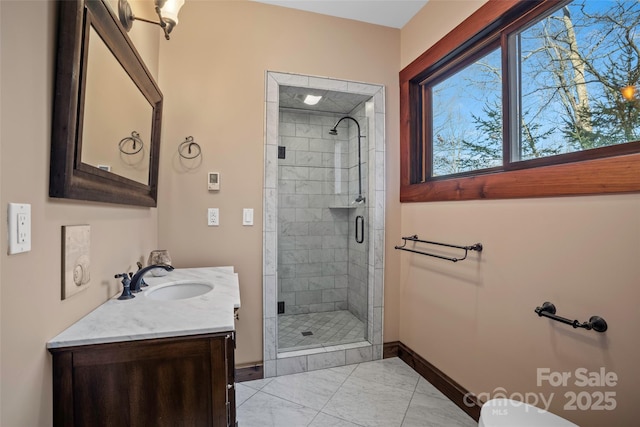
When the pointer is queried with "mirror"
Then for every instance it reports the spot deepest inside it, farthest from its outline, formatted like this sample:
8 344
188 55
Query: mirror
107 111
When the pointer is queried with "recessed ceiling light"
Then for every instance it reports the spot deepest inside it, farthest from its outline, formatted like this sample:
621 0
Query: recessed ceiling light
312 99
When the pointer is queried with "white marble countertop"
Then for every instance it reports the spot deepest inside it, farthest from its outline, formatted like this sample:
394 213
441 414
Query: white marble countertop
145 318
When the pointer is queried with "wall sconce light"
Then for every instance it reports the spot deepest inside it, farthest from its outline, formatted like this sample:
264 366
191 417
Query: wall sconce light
628 92
167 11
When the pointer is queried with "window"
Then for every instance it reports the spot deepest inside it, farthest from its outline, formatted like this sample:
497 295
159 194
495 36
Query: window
540 101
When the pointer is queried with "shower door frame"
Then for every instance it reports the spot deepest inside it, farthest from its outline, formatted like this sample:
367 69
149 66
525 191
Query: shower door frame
275 363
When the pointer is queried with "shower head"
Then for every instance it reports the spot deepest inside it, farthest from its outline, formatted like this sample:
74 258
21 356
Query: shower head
333 131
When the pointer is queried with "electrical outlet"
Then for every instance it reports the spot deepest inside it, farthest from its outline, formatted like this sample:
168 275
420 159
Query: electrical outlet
213 217
19 222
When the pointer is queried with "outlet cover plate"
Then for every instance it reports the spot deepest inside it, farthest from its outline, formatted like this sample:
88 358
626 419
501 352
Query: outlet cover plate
19 228
76 259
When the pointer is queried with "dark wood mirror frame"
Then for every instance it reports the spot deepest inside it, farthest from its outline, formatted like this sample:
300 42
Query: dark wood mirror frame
69 177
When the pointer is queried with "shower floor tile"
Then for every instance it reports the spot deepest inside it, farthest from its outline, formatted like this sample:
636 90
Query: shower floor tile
327 328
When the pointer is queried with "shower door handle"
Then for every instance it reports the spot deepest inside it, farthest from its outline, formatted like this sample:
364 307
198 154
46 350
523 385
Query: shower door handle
360 228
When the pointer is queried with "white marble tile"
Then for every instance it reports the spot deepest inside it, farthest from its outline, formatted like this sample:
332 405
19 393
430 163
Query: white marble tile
324 420
325 360
272 90
344 370
378 351
256 384
291 365
425 387
359 355
270 336
391 372
270 252
271 167
431 411
378 315
378 241
271 124
270 291
348 346
287 79
304 352
269 368
270 209
378 287
369 403
331 84
265 410
243 393
380 160
311 389
379 133
363 88
378 100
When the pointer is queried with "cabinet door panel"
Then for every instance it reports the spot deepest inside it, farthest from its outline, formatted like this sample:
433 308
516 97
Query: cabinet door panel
99 399
169 392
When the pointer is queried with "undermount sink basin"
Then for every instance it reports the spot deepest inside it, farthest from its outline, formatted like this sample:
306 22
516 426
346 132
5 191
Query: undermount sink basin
179 290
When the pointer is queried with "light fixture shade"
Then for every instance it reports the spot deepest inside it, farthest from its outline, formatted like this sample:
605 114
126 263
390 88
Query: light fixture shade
170 9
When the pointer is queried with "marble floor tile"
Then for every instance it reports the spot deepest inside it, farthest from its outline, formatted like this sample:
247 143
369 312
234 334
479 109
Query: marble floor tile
265 410
324 420
425 387
428 411
257 384
369 403
328 328
312 389
243 393
381 393
391 372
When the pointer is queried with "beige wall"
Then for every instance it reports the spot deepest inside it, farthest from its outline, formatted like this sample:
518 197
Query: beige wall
31 309
474 320
212 73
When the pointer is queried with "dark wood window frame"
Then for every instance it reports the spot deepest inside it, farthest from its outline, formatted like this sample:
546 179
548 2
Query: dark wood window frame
614 169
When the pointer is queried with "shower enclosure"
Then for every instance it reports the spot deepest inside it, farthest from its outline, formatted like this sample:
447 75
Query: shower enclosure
322 250
324 227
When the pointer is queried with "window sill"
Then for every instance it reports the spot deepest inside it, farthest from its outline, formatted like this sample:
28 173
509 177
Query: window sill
620 174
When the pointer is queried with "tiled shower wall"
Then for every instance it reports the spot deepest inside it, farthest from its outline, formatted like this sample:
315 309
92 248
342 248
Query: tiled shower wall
313 226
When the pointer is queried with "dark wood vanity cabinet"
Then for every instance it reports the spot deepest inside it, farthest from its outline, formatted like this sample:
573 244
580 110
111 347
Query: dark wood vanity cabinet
185 381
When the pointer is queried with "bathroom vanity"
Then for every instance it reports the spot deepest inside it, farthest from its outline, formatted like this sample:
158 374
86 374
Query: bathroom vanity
163 358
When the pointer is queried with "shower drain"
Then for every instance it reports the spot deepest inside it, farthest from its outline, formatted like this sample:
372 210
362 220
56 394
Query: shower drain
307 333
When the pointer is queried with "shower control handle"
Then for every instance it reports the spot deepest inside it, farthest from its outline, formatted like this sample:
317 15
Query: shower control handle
359 229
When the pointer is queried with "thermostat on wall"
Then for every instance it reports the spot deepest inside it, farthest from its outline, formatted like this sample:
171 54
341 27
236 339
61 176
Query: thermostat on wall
214 181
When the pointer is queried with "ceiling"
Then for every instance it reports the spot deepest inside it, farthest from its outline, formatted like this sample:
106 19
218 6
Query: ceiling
331 102
389 13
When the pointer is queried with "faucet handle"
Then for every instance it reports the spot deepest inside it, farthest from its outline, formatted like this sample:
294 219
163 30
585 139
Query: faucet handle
126 286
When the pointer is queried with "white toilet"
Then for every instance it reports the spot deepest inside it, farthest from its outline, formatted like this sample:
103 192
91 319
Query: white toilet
511 413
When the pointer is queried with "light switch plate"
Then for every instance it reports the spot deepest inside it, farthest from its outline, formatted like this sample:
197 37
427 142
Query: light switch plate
247 216
76 259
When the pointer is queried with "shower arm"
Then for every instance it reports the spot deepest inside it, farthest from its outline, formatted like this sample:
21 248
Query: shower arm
334 131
